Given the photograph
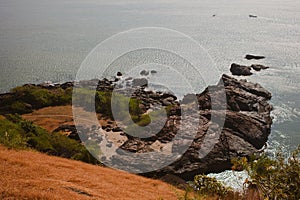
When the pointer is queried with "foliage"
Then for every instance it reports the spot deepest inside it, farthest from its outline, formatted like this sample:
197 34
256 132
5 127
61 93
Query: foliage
19 107
190 194
277 178
25 98
18 133
12 135
144 120
102 102
209 186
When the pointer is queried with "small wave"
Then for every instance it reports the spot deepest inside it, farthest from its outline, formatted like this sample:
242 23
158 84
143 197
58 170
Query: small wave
232 179
284 113
278 141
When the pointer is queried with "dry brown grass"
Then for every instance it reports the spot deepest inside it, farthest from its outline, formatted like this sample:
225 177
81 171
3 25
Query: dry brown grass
51 118
32 175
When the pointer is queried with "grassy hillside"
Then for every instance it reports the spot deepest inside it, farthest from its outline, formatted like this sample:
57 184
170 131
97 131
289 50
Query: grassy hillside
32 175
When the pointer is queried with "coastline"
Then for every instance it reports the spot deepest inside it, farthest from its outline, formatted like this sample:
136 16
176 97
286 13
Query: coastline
165 99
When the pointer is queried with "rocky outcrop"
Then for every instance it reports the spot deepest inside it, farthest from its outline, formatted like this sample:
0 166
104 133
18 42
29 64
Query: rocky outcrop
245 131
140 82
240 70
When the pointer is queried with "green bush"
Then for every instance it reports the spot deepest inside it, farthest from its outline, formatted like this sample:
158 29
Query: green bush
103 103
25 98
208 186
277 178
144 120
11 135
18 133
19 107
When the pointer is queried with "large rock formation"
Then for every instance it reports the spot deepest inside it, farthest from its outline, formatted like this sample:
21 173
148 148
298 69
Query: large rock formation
245 131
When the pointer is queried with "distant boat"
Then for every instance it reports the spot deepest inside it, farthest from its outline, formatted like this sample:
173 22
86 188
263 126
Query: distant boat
253 16
213 15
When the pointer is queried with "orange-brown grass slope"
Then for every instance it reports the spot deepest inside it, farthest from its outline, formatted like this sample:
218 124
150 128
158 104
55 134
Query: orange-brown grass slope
32 175
53 117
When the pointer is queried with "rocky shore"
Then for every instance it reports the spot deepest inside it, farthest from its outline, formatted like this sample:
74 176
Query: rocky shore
244 132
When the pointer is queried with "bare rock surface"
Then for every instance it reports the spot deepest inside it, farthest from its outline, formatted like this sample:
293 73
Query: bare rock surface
245 130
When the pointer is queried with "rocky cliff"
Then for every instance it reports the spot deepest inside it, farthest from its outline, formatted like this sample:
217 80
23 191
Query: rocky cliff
243 132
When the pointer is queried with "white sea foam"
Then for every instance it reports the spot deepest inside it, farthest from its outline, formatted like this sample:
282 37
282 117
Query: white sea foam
231 178
283 113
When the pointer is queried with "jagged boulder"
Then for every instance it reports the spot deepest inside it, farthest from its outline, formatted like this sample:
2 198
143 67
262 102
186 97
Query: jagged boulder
245 131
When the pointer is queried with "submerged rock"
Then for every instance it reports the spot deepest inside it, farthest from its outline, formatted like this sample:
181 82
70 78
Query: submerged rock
153 71
250 57
144 73
258 67
252 16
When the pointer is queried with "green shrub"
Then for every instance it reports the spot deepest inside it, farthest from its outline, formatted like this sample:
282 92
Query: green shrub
277 178
208 186
11 135
144 120
122 104
18 133
28 97
103 103
19 107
